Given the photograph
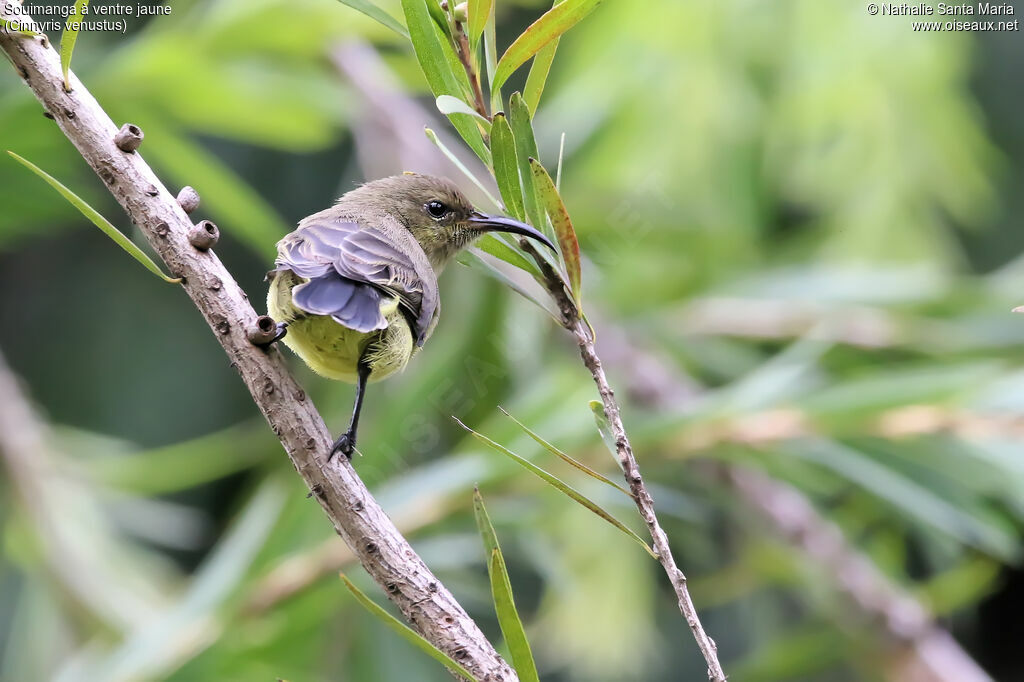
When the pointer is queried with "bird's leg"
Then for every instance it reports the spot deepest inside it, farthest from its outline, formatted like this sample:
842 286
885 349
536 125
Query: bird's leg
346 442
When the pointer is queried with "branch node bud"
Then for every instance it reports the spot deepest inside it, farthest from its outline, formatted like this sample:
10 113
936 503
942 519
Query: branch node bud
204 235
188 199
263 331
129 137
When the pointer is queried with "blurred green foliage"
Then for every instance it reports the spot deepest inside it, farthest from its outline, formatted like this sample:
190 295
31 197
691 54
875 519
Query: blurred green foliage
800 246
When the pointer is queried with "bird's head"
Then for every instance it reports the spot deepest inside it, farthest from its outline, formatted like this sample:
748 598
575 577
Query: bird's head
437 213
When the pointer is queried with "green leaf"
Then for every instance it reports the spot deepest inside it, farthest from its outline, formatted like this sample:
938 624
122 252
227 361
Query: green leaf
912 496
490 244
558 484
184 464
441 19
550 26
483 523
555 208
561 154
526 148
564 457
432 136
371 10
539 75
472 259
404 631
97 220
491 58
501 591
449 105
505 166
5 26
603 427
960 586
478 11
442 70
69 37
427 41
145 651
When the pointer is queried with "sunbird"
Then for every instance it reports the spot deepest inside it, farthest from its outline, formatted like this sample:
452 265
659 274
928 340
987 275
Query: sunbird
354 291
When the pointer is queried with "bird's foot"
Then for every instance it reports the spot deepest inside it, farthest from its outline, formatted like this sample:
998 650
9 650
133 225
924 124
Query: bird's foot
346 445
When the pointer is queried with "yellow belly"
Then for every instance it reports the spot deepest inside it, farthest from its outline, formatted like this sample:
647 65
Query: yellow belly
333 350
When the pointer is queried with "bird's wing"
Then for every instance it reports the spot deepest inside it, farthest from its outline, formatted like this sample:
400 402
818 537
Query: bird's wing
354 269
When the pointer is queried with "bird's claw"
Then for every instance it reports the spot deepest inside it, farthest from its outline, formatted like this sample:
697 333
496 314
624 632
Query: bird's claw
346 445
282 329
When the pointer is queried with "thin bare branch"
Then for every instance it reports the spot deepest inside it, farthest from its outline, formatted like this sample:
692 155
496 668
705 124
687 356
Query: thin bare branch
573 321
922 650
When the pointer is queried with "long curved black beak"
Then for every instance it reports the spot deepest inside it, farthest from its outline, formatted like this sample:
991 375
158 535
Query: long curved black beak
499 223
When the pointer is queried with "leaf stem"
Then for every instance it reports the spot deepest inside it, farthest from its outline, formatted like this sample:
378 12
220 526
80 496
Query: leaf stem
466 57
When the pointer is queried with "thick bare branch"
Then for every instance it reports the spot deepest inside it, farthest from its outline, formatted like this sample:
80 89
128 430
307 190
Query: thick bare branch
356 516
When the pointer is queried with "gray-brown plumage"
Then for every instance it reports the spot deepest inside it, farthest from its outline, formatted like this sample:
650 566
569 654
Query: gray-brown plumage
356 285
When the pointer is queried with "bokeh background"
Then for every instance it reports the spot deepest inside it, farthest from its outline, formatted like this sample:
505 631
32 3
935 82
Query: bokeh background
802 242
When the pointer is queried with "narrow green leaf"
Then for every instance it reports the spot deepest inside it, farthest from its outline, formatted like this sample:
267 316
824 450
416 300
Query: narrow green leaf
97 220
561 154
564 457
5 26
442 70
603 427
478 11
506 168
404 631
590 327
441 19
489 243
69 37
550 26
449 105
914 497
526 148
491 58
371 10
471 258
501 591
539 75
184 464
509 621
202 599
555 208
432 136
558 484
483 523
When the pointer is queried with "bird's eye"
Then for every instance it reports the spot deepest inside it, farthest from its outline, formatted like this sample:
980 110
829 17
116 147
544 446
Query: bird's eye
436 209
